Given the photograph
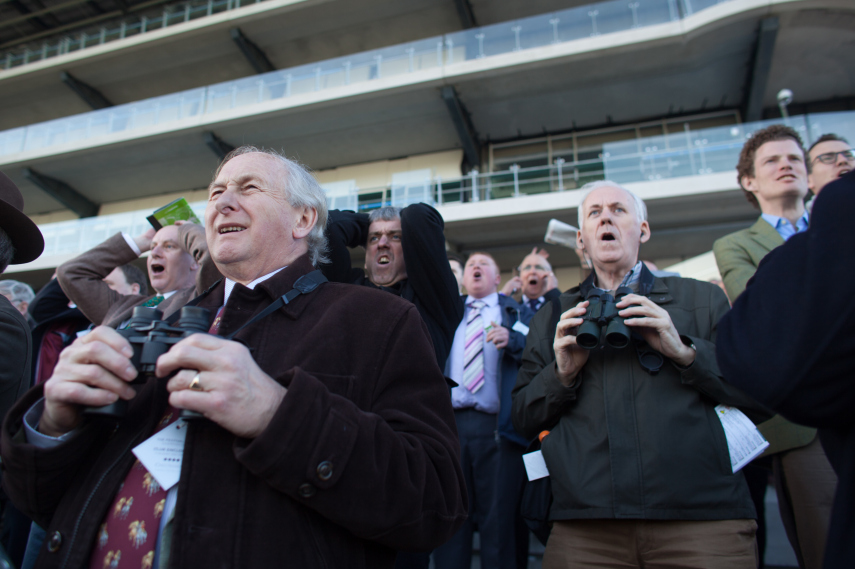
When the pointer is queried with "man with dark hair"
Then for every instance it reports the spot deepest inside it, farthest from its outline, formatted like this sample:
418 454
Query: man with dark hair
773 171
830 157
327 438
484 362
455 261
127 279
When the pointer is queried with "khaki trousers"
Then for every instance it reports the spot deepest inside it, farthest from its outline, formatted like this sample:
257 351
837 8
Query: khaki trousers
725 544
805 483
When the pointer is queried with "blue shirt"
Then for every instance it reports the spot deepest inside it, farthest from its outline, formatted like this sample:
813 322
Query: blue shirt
784 227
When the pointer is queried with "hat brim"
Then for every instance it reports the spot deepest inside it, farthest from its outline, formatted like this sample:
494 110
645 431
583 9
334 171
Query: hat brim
25 235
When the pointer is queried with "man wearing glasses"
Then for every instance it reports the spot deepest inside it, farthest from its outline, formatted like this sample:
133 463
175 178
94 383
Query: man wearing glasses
831 157
536 281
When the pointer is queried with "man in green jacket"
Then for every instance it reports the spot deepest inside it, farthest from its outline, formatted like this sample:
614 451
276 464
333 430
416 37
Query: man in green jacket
637 456
773 173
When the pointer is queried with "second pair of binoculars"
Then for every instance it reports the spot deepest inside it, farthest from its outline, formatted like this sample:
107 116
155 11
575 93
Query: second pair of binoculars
150 336
602 325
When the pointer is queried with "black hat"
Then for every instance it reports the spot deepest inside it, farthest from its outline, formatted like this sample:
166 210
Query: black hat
25 235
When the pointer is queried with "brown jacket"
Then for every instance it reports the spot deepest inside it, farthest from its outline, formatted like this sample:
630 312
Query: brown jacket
82 278
360 459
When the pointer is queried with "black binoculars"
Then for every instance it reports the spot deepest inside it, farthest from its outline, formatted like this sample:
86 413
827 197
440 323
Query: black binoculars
601 319
150 337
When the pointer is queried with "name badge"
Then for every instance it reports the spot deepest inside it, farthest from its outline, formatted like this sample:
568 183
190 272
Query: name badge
162 453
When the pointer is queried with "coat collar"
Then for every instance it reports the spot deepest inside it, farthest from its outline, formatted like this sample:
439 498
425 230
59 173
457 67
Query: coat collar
271 289
649 285
765 235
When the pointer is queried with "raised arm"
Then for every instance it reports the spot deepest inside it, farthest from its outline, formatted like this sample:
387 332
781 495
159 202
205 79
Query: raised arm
82 278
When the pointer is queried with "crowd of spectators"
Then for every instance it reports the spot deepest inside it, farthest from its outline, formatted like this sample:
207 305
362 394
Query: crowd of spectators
336 416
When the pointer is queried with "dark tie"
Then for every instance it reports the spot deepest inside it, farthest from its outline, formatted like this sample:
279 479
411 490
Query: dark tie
534 303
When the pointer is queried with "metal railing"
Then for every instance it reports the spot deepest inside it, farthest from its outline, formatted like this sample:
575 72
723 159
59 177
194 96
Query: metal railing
437 52
691 154
708 151
126 28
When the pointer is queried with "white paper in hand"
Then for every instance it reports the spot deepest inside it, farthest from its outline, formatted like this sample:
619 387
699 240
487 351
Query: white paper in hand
744 441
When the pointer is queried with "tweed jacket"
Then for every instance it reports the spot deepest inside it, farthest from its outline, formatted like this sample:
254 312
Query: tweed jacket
82 278
738 256
360 459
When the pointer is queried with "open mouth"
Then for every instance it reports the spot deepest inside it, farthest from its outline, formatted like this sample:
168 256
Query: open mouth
607 237
383 260
476 274
532 282
844 172
231 229
157 268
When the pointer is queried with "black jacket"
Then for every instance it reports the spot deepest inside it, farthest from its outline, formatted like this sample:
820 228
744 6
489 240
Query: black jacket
430 284
628 445
790 342
15 353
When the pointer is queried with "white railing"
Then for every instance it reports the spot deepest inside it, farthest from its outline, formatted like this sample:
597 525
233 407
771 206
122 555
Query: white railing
437 52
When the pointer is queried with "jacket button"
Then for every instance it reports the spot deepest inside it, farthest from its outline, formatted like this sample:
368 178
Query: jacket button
54 542
306 490
325 470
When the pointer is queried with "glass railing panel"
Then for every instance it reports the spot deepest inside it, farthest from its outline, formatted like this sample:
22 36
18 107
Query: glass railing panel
841 124
12 141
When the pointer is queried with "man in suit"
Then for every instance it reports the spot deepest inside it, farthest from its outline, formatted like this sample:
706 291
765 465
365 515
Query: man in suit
536 281
800 362
328 438
178 268
773 173
484 361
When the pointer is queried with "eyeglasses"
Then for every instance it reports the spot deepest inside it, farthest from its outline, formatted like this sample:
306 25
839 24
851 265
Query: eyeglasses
831 157
534 268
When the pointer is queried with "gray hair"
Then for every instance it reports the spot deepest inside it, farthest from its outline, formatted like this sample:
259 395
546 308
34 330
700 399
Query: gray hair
302 191
387 213
7 250
17 291
638 203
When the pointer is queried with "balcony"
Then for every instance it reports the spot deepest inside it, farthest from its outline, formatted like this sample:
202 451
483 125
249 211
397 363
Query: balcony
440 56
688 181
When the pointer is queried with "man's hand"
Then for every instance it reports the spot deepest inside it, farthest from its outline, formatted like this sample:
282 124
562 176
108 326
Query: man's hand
93 371
569 357
234 392
512 286
499 335
144 240
654 324
551 281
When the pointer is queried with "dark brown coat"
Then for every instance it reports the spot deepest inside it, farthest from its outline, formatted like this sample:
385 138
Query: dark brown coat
360 459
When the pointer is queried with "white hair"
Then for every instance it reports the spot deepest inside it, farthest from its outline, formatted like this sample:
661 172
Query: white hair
17 291
302 190
638 203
